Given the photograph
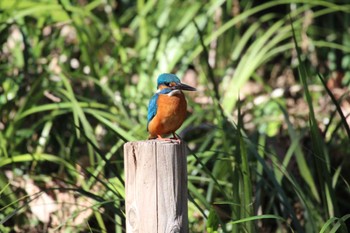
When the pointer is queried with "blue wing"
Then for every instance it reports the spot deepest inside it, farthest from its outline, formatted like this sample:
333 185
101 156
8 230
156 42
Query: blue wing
152 108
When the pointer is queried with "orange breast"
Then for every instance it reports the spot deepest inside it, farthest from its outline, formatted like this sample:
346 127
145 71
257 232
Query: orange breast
171 113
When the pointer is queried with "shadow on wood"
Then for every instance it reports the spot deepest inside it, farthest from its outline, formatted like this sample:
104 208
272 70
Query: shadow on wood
156 186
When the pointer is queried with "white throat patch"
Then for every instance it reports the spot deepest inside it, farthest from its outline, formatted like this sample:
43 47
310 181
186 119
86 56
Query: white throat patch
174 92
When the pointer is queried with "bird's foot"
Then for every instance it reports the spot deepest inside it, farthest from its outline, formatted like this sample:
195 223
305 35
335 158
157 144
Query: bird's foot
176 138
159 137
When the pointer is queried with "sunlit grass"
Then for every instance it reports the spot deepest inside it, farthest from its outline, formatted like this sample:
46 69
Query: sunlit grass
75 84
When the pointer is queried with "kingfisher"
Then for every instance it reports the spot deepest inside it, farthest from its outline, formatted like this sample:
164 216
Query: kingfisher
167 108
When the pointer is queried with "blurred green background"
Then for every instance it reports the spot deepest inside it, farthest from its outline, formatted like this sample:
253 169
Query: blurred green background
267 130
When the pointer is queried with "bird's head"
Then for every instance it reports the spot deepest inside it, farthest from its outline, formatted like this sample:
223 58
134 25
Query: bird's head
173 82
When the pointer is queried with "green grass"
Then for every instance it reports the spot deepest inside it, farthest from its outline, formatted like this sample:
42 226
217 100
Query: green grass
76 78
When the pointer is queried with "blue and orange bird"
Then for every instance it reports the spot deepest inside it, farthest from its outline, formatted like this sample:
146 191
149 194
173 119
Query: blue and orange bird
167 109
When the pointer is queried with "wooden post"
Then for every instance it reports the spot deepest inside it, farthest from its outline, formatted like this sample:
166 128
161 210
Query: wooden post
156 187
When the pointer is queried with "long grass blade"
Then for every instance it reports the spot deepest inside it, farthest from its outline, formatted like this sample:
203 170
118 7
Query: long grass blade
321 160
337 105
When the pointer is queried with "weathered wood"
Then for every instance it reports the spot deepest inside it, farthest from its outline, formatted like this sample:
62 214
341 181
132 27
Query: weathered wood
156 187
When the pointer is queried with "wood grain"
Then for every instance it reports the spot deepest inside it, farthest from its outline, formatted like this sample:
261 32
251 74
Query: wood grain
155 186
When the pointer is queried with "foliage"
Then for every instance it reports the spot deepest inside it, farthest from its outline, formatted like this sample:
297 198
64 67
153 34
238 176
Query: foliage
76 78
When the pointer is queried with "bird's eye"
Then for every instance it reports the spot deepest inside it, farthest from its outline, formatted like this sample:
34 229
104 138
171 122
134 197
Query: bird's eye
167 83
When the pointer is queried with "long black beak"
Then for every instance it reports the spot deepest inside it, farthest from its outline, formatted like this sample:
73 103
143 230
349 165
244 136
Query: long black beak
182 86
